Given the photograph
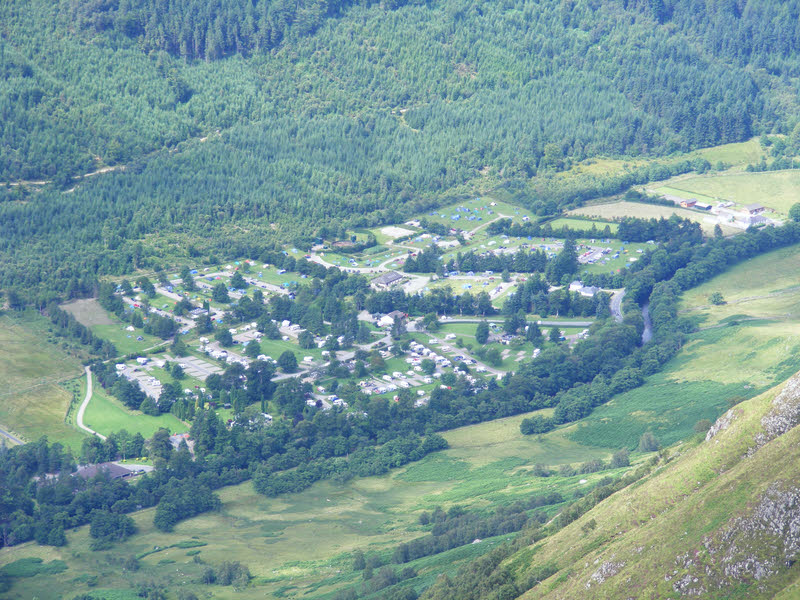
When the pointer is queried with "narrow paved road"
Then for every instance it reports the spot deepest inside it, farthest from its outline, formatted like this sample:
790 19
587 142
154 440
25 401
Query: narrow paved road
11 437
85 403
647 334
616 305
545 323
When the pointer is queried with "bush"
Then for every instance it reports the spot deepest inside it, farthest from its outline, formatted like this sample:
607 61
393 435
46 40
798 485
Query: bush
621 458
536 424
592 466
648 442
702 426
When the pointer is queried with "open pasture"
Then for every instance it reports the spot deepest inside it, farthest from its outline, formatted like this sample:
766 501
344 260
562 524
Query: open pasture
32 404
742 348
583 224
640 210
106 414
475 213
777 190
304 540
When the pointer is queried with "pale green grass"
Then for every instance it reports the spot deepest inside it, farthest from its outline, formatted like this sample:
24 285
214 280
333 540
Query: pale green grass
681 193
737 155
765 287
32 404
480 208
778 190
681 508
617 210
583 224
305 539
106 414
125 341
723 362
87 312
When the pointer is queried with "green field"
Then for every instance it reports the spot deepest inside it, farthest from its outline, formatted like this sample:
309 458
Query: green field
690 506
304 539
617 210
737 156
765 287
742 348
478 207
32 403
125 341
583 224
777 190
105 414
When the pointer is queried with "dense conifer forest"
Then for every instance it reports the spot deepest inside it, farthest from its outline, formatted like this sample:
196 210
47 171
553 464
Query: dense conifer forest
254 118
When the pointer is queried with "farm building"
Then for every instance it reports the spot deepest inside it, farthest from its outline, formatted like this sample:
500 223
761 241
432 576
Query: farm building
388 320
755 220
688 203
387 280
588 291
754 209
702 206
114 471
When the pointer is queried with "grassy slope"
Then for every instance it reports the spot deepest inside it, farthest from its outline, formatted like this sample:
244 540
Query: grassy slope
32 404
720 363
675 511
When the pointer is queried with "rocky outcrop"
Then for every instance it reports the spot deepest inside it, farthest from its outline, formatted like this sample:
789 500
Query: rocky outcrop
750 548
784 415
606 570
721 424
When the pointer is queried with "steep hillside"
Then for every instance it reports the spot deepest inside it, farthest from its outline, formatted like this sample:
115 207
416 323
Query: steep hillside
721 519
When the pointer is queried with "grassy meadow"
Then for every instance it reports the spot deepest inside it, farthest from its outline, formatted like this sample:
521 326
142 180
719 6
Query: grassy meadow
681 508
617 210
741 348
777 190
32 367
105 414
302 542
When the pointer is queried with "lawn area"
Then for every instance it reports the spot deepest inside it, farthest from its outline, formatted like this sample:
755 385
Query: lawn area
583 224
765 287
737 155
481 211
32 404
125 341
715 368
105 414
617 210
774 189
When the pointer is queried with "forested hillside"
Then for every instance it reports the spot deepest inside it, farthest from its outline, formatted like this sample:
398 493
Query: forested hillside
246 118
494 84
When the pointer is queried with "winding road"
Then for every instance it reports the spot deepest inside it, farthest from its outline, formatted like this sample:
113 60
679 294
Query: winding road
85 403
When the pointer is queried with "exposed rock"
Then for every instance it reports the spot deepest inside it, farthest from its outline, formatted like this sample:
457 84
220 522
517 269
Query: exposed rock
606 570
758 545
721 424
750 548
785 414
